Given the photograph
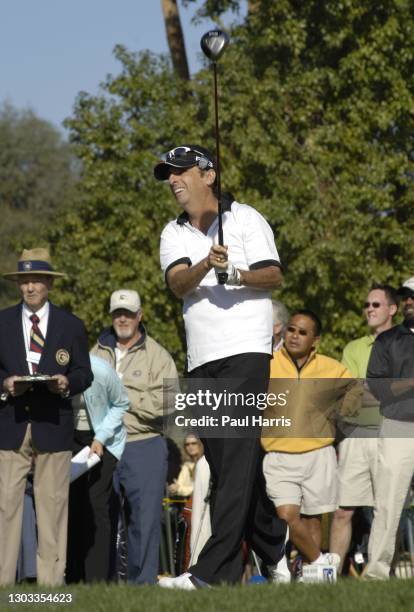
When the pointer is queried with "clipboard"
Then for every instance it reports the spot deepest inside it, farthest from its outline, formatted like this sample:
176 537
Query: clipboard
34 378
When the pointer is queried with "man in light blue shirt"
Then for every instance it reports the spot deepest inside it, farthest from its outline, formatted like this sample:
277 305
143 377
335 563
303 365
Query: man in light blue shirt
98 415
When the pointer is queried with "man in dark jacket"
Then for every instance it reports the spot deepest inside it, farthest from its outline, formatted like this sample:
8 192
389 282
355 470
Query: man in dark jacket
44 360
391 368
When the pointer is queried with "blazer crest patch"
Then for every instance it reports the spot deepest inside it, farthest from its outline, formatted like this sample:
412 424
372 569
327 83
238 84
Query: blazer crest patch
62 357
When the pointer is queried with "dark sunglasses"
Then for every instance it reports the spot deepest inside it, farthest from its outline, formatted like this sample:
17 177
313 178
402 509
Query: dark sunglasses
373 304
178 152
301 332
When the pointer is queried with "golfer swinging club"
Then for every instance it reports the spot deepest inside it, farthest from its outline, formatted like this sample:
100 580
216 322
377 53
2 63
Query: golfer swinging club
229 336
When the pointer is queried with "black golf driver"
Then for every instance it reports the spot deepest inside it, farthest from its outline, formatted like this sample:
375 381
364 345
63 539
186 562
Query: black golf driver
213 44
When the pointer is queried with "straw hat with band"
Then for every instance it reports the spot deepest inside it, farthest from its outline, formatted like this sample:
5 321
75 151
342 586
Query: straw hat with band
33 262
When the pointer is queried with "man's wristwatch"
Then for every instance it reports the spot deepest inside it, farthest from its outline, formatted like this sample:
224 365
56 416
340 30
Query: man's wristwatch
233 275
65 394
4 396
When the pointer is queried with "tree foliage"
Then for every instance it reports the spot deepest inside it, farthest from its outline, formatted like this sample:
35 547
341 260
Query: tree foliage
37 177
338 142
213 9
113 240
316 111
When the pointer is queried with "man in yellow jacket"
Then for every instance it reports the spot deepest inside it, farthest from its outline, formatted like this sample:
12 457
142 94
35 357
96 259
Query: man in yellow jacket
300 464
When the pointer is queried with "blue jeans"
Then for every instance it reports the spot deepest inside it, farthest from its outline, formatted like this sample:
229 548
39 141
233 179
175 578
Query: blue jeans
141 476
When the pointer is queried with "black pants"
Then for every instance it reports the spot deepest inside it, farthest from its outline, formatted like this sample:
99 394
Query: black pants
91 526
239 504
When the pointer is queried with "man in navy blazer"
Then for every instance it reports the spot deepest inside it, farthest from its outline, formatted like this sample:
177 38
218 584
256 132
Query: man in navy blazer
36 420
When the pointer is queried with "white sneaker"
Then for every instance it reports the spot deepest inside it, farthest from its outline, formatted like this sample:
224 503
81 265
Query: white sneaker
279 573
179 582
323 569
329 559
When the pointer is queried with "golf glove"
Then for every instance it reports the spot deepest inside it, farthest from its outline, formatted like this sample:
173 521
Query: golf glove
233 275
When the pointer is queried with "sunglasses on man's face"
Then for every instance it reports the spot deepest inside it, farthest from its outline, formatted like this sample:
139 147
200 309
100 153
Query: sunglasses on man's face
301 332
373 304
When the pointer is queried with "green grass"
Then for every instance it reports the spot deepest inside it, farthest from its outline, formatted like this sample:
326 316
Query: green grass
347 595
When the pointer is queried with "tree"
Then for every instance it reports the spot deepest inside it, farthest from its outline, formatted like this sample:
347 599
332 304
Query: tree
330 114
316 110
37 177
253 6
115 232
214 9
175 38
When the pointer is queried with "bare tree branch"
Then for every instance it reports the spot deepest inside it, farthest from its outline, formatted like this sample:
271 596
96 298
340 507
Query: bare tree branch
175 38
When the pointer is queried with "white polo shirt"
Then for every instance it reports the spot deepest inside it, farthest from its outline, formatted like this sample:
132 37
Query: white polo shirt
221 320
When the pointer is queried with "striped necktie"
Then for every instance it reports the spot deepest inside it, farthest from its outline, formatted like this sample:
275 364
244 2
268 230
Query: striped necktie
37 340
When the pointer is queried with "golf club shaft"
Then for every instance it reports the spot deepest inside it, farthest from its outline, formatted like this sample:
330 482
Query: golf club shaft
222 276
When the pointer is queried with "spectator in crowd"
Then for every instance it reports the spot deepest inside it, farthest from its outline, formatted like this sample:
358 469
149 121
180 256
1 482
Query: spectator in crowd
300 471
174 460
280 572
98 415
200 515
36 338
238 317
391 368
147 371
184 484
358 453
280 321
26 563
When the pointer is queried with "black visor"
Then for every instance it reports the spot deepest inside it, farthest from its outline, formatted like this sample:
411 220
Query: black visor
185 156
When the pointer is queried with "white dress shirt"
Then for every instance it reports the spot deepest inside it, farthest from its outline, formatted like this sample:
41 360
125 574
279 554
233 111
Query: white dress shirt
43 314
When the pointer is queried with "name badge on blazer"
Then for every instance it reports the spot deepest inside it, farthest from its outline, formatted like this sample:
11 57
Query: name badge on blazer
33 357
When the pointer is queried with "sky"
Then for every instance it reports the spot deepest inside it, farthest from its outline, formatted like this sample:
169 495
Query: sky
52 49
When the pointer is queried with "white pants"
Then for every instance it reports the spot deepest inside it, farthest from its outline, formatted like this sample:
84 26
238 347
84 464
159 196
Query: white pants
200 516
394 474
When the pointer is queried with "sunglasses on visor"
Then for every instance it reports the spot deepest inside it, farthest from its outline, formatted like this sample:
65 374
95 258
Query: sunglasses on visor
178 152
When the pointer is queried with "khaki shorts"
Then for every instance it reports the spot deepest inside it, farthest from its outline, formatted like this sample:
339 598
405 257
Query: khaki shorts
357 469
307 480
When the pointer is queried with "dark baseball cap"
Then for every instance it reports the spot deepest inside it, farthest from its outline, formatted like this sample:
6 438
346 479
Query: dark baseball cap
407 288
184 156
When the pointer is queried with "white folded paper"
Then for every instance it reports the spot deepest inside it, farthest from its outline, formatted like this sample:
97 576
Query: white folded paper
81 463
